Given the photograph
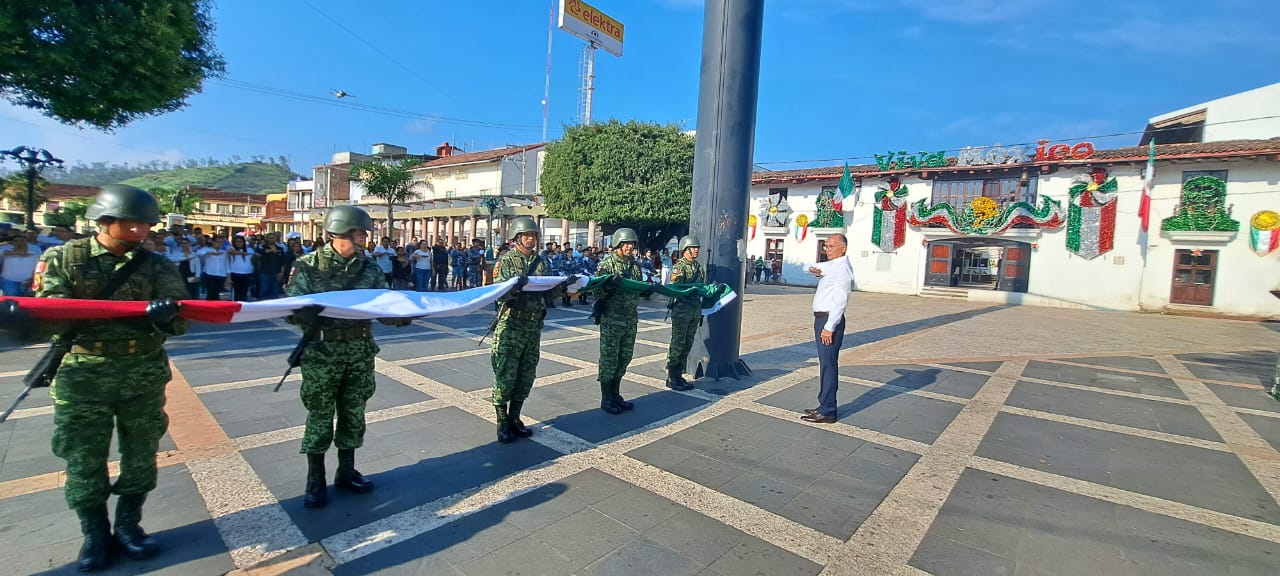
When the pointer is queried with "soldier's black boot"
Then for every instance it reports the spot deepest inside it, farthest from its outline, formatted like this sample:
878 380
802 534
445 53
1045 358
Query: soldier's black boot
516 426
135 542
566 301
96 552
504 425
347 477
617 398
607 400
317 494
675 380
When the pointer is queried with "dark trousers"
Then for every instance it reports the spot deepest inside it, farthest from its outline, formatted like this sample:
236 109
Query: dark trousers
213 286
240 286
441 277
829 361
268 287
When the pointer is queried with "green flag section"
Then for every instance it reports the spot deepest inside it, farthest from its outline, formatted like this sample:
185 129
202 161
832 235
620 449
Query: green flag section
714 296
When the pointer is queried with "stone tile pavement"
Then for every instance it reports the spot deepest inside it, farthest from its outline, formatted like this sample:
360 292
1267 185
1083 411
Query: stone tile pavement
972 439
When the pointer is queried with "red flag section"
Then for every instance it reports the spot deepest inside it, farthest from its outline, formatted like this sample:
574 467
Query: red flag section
72 309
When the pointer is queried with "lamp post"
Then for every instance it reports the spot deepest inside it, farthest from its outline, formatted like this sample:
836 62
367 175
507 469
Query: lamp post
493 203
33 161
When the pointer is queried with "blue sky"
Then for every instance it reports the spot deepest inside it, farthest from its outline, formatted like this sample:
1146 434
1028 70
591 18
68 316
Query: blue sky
839 78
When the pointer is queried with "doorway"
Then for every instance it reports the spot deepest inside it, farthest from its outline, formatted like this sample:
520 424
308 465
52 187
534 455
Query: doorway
1193 275
979 264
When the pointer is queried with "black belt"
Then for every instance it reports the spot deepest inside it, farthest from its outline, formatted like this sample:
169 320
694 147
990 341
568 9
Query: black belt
340 334
525 314
821 314
116 347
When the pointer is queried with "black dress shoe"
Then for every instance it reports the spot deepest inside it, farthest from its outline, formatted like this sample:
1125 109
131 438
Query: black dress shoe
818 418
810 411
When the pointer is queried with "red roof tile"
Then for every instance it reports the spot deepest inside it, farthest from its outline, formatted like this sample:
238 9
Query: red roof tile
482 156
1223 149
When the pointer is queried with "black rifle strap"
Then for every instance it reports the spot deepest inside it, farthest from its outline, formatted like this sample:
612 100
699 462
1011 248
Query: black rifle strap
122 275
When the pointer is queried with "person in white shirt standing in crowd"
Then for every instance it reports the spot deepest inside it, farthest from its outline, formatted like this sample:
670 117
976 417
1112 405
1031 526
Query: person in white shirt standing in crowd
213 268
835 280
188 266
19 266
240 265
382 255
422 267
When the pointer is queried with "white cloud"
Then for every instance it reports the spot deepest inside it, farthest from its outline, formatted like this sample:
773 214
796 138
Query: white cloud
26 127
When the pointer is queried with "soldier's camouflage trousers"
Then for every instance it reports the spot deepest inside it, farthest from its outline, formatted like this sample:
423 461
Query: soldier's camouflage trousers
91 396
337 381
617 344
516 345
684 327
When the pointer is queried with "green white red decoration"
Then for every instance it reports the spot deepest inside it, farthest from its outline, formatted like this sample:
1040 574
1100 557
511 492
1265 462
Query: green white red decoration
752 224
1264 232
1203 208
889 225
1091 227
982 216
802 227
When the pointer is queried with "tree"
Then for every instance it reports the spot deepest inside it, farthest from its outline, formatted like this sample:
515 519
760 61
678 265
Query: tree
392 183
637 174
15 191
105 64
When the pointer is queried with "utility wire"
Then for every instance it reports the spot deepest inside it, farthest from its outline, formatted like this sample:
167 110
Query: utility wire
1076 139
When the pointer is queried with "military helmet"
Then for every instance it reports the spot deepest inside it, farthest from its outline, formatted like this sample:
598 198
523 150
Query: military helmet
689 241
522 225
344 218
125 203
624 235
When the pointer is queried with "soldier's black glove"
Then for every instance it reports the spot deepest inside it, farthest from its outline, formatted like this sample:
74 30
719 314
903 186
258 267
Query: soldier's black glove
12 316
612 284
307 315
162 311
397 322
521 283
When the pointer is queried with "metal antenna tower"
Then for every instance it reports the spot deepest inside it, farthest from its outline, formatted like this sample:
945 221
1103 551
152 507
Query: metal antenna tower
586 71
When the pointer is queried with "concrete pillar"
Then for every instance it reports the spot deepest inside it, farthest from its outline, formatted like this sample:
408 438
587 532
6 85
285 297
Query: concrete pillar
564 232
591 233
433 229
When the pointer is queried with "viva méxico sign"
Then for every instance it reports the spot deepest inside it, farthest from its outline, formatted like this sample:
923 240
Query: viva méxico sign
986 156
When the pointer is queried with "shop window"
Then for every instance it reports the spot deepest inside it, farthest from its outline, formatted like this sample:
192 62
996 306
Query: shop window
1189 174
1005 191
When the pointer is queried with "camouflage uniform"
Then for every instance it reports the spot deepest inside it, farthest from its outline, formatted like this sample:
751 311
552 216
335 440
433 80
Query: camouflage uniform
518 334
619 321
337 370
686 314
101 380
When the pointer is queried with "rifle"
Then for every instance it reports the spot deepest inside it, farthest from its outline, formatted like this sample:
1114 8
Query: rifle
41 375
520 284
295 358
670 304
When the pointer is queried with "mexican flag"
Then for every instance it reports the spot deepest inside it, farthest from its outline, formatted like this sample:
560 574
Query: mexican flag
846 188
365 304
1148 182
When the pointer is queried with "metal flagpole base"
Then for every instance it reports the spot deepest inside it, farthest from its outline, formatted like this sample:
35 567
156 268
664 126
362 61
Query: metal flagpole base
717 370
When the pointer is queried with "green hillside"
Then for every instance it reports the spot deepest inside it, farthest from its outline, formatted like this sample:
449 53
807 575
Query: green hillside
243 178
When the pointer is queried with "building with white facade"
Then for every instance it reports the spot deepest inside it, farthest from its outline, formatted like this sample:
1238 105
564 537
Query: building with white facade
1012 226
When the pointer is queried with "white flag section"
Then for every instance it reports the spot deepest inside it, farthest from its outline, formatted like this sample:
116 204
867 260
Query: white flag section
721 303
377 303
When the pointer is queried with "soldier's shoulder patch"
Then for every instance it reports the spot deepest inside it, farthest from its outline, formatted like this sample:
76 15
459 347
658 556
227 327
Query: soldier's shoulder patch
37 279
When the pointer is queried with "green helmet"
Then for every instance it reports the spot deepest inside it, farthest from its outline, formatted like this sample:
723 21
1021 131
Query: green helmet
624 235
125 203
344 218
522 225
689 241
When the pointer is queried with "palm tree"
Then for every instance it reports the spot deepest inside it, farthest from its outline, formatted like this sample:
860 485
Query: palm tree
391 182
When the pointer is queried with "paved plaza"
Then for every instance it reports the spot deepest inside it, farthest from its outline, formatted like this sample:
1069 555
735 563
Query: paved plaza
972 439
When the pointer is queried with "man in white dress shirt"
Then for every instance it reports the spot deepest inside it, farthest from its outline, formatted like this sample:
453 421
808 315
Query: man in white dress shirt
835 280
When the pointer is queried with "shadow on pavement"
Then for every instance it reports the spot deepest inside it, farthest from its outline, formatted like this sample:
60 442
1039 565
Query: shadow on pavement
907 381
177 546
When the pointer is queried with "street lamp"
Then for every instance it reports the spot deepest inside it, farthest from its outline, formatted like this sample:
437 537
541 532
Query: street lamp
33 161
493 203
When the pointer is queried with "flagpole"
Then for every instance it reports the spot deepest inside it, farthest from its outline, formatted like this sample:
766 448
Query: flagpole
1144 213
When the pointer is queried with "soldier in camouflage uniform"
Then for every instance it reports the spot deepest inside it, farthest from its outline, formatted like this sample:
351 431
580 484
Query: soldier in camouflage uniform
686 313
115 370
618 321
518 334
337 368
